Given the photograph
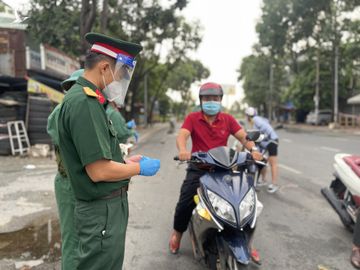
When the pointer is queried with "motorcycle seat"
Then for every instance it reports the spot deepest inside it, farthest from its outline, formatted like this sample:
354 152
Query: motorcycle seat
354 163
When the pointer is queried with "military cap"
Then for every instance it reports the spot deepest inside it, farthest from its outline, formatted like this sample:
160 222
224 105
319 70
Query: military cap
112 46
66 85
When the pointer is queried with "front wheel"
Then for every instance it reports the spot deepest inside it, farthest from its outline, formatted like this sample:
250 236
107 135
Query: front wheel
228 263
217 259
233 264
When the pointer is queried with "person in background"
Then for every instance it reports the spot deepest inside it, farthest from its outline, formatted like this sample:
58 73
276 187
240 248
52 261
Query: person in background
64 194
271 144
124 130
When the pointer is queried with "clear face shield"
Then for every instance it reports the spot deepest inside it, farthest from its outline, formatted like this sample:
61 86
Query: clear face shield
117 89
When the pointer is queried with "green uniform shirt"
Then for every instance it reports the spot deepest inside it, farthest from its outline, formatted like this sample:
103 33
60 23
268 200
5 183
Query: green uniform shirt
52 129
119 123
85 136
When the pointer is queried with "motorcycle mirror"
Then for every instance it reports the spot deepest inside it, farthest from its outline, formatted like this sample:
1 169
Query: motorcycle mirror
261 138
253 135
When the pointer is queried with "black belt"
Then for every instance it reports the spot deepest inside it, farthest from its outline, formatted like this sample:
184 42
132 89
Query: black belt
116 193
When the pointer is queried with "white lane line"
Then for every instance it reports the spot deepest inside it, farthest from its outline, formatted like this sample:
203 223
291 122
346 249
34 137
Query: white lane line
289 169
287 140
330 149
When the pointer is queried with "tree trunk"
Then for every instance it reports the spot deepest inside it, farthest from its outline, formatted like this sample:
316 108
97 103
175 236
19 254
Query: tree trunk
87 19
104 16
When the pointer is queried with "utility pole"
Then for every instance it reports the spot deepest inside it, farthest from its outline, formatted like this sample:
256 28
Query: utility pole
145 102
336 43
317 89
271 82
336 84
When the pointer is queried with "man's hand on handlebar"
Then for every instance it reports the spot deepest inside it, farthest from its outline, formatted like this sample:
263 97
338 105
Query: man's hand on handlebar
184 155
257 156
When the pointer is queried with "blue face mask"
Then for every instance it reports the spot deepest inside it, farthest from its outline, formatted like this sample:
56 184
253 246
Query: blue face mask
211 107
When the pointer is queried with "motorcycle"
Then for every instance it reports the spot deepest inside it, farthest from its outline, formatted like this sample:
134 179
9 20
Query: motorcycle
224 219
344 191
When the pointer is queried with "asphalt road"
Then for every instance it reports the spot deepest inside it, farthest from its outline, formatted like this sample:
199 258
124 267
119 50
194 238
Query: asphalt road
297 229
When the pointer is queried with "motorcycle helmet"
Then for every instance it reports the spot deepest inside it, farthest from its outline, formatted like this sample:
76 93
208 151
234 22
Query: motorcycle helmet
211 89
250 111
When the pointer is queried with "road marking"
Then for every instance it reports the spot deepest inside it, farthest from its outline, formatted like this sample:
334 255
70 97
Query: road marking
289 169
287 140
330 149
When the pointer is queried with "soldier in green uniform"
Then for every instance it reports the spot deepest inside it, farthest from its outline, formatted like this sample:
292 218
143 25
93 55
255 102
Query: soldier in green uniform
90 151
124 130
64 194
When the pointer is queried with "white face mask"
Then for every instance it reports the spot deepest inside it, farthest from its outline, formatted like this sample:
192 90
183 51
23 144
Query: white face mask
117 89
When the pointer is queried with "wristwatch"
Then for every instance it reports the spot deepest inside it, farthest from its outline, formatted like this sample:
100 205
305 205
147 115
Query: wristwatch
254 149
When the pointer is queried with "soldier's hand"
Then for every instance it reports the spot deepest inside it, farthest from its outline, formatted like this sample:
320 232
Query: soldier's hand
184 155
149 166
133 159
257 155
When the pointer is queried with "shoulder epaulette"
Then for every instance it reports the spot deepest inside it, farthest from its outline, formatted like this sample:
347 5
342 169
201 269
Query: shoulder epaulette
89 92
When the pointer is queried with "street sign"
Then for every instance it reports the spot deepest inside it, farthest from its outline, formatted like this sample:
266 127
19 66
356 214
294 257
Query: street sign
37 87
229 89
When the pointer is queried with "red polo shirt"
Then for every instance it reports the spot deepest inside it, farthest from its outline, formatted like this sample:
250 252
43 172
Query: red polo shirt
206 136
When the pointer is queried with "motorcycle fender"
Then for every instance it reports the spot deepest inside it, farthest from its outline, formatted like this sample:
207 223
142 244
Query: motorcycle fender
237 245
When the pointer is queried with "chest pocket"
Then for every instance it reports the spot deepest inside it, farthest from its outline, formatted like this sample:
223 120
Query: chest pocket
115 148
112 130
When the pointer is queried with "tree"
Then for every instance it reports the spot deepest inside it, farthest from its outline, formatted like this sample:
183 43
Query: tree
295 35
63 31
166 36
87 20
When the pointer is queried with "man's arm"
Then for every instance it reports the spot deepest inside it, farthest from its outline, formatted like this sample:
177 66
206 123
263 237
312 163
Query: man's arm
181 141
241 136
111 171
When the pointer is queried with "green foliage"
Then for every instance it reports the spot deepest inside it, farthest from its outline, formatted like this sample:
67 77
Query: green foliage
167 39
254 72
56 23
291 35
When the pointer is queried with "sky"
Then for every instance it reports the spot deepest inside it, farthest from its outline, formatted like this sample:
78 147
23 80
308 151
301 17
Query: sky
228 34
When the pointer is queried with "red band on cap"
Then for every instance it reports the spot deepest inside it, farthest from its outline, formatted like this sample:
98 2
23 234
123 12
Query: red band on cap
109 47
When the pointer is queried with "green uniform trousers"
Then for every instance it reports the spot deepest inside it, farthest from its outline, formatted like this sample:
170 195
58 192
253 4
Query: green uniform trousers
101 226
66 206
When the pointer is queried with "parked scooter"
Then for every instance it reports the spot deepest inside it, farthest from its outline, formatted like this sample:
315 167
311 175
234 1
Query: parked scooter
223 222
344 191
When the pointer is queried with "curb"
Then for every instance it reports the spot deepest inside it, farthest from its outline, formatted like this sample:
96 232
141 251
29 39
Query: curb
310 129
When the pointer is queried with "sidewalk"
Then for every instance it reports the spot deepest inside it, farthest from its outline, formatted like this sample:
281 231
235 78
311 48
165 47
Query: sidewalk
298 128
29 229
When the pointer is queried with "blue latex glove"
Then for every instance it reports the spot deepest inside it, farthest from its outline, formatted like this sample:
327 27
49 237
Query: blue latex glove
149 166
131 124
136 136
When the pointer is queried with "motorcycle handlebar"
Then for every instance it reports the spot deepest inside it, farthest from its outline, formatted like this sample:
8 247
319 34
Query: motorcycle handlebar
192 160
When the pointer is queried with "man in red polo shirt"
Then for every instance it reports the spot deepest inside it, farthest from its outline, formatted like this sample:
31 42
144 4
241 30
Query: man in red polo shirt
208 128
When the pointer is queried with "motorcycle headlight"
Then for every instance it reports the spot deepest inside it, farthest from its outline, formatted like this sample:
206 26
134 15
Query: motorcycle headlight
222 208
247 205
